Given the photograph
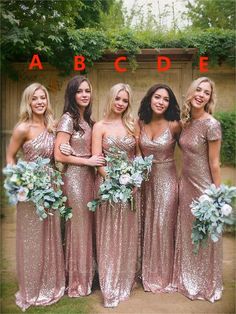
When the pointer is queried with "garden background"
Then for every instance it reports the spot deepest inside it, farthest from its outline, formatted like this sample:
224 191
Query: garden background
101 31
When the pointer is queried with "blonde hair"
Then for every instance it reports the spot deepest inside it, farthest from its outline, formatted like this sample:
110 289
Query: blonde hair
126 116
25 108
186 108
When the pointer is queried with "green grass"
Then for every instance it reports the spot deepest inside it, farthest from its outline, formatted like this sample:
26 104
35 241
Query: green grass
65 306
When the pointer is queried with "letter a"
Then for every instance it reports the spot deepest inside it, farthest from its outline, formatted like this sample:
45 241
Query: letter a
35 62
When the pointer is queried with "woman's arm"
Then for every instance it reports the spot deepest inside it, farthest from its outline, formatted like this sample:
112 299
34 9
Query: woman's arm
137 131
214 160
63 138
17 139
176 128
97 136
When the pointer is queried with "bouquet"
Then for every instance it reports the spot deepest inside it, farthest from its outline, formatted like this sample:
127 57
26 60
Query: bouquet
212 210
123 175
36 181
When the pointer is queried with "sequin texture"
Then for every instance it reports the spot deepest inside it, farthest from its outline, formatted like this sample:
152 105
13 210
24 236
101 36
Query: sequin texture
117 239
79 188
196 276
159 197
39 254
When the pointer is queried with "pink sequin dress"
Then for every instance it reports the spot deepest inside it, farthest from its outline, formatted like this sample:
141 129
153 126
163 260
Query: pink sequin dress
117 238
39 253
196 276
159 197
79 188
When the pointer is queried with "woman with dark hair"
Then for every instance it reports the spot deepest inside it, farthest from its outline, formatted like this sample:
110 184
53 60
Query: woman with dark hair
75 128
159 117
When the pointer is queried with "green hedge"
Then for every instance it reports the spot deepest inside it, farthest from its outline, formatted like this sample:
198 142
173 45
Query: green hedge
228 125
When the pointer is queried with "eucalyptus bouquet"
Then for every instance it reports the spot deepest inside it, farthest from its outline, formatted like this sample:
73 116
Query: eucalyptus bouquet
212 210
36 181
123 175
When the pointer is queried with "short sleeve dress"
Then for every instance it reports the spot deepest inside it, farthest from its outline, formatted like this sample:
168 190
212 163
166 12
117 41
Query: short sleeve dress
196 276
79 188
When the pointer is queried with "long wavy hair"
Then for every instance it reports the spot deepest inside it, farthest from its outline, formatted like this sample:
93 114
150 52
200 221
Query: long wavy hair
145 111
26 110
71 106
186 108
126 116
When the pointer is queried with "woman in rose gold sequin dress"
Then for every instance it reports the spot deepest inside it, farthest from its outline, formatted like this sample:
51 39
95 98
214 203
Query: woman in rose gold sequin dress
159 129
116 228
39 253
75 128
198 276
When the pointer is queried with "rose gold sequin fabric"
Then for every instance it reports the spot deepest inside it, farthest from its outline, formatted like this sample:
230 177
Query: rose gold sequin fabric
196 276
79 188
39 253
117 239
159 197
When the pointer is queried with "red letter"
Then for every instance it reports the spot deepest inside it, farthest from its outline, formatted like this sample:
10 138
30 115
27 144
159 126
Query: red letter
79 60
35 62
203 64
116 64
159 62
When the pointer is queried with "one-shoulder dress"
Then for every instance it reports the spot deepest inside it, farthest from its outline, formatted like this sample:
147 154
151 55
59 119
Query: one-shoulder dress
39 252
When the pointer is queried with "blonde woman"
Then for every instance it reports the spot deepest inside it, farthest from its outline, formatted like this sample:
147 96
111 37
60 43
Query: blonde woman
39 254
198 276
116 228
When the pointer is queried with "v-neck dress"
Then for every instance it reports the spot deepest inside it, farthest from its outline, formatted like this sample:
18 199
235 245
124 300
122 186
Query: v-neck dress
159 198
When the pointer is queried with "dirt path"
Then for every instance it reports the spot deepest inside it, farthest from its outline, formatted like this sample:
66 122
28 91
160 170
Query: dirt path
142 302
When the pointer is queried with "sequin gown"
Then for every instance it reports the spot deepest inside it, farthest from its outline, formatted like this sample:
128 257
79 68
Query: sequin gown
159 197
196 276
39 253
117 239
79 188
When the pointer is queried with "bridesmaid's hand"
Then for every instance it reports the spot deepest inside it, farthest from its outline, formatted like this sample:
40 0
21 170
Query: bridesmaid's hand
134 190
66 149
96 160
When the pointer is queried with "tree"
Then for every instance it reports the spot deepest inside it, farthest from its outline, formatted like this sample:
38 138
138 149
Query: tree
212 13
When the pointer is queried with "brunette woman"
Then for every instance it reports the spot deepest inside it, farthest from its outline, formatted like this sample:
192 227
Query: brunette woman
159 116
39 254
75 128
198 276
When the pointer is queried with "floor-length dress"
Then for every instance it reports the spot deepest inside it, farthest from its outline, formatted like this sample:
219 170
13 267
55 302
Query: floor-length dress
196 276
159 198
79 189
117 238
39 253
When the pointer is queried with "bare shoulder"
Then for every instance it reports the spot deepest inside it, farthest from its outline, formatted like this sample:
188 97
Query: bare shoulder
175 127
22 129
99 126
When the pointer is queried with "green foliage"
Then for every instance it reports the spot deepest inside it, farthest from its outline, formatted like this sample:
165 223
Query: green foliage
228 125
57 32
212 13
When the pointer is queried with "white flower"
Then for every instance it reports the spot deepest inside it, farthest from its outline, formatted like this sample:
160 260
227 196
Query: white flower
30 186
204 198
22 194
124 179
137 179
226 210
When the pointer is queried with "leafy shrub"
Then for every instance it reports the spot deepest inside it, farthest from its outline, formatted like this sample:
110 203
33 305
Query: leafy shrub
228 125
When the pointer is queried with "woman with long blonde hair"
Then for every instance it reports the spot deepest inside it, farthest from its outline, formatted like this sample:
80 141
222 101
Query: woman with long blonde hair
198 276
39 253
116 226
